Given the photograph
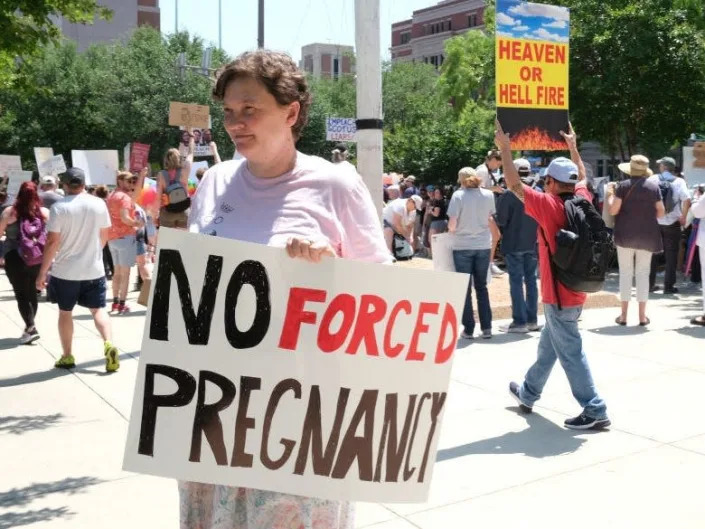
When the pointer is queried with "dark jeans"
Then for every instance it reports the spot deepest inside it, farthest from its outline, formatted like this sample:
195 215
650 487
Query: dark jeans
522 272
476 263
671 236
23 279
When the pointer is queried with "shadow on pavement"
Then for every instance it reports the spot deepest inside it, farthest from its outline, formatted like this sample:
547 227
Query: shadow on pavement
19 424
23 496
542 438
617 330
9 343
88 317
693 331
17 519
43 376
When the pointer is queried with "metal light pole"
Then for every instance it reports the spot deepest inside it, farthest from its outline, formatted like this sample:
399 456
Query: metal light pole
260 29
369 97
220 24
176 16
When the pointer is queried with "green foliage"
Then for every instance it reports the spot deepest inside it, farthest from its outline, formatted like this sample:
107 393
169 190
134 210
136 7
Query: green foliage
26 26
107 97
637 76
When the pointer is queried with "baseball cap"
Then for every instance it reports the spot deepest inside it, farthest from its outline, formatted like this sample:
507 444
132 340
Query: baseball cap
73 176
410 178
563 170
522 165
48 180
667 160
418 201
408 192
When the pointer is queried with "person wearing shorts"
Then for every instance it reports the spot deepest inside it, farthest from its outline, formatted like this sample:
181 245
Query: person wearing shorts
122 237
76 233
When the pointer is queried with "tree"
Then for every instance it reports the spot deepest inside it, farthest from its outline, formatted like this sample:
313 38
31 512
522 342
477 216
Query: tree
108 96
637 76
26 26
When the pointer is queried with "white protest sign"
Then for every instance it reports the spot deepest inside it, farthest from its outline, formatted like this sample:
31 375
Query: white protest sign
195 166
694 164
101 167
9 162
41 155
126 157
340 129
53 166
17 178
262 371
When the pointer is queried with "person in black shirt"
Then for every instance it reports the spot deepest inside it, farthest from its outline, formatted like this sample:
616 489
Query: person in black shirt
439 215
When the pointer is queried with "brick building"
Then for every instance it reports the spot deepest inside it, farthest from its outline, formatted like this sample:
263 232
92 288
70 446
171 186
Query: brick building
421 38
327 60
127 16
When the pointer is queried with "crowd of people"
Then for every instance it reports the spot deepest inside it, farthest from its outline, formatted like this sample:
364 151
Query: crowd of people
280 197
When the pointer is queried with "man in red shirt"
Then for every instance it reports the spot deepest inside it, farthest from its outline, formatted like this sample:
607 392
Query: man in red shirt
560 338
121 238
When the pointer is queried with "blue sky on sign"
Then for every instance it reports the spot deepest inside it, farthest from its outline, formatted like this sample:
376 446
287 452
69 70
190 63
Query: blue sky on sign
526 20
289 24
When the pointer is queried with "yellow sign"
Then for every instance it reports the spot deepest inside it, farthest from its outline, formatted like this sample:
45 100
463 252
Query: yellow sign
531 73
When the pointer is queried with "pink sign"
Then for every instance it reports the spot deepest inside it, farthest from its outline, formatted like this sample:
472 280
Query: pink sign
139 156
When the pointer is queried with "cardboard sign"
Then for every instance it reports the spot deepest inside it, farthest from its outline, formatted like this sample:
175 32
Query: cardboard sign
340 129
9 162
188 115
16 179
53 166
101 167
41 155
262 371
532 57
139 156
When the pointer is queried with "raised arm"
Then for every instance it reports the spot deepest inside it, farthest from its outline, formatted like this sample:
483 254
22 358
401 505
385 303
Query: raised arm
572 142
511 175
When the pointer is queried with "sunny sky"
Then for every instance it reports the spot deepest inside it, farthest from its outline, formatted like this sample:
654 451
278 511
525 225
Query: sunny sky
533 21
289 24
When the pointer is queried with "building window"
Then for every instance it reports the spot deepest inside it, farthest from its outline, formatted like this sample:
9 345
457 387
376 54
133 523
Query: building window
449 26
600 168
405 37
336 68
472 21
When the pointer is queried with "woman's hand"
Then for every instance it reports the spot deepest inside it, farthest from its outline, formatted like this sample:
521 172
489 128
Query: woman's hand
308 250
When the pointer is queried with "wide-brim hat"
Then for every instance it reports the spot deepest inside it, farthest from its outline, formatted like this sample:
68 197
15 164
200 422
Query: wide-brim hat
637 165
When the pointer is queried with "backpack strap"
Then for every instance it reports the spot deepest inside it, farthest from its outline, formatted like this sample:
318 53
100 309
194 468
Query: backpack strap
553 269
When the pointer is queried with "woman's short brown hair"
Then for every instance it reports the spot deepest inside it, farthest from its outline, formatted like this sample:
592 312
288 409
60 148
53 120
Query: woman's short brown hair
278 73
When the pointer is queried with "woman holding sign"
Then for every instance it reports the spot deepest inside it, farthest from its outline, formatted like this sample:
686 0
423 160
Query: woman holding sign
278 197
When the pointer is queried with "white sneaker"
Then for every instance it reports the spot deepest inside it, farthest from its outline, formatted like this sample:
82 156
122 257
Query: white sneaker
533 327
29 337
512 328
496 270
466 336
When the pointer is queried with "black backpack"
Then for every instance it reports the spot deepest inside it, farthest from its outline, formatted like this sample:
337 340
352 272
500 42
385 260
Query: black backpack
666 189
584 248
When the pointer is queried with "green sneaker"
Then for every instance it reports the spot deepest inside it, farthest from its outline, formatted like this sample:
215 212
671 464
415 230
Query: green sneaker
112 359
65 362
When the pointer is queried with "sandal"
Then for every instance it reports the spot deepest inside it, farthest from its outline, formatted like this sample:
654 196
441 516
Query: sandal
619 321
646 322
700 320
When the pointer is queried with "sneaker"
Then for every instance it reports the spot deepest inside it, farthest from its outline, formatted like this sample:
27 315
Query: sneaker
65 362
496 270
466 336
514 392
533 327
673 290
583 422
29 337
514 328
112 358
123 309
115 307
654 288
487 334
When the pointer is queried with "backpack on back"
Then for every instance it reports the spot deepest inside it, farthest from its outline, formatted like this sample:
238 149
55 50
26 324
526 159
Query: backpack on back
32 238
584 247
666 188
176 197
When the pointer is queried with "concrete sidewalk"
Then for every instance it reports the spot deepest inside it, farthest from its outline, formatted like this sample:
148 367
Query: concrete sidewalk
62 433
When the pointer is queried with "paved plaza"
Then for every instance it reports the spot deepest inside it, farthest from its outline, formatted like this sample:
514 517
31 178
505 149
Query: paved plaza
62 433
